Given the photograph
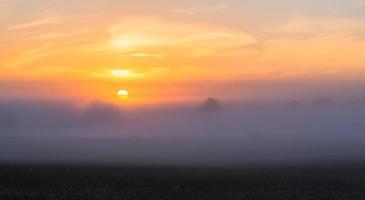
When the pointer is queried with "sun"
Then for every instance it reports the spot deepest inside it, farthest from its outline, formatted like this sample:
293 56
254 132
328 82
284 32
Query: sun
123 94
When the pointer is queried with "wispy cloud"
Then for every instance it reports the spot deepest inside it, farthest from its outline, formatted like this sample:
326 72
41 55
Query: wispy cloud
331 27
36 23
30 55
156 35
198 10
317 46
147 55
56 35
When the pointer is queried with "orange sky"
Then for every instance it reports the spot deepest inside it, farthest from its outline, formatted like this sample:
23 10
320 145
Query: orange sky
170 52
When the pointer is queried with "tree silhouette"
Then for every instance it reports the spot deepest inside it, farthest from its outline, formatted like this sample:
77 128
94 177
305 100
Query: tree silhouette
210 105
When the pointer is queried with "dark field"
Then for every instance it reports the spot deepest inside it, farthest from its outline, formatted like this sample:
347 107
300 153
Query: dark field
42 182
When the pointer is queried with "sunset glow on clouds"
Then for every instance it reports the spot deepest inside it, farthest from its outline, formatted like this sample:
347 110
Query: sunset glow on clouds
171 51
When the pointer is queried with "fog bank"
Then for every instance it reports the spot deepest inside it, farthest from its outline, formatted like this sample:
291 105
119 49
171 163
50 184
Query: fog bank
211 132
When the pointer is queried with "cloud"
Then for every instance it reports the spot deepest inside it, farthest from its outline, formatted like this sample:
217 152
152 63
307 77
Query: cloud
58 35
156 35
147 55
35 23
310 27
325 47
29 55
200 10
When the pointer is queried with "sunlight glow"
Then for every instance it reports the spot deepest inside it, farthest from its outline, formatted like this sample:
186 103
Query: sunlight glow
175 52
124 73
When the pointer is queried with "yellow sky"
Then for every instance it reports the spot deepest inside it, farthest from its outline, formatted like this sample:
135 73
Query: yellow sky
163 57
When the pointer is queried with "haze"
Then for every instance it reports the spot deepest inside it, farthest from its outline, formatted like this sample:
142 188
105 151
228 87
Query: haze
203 82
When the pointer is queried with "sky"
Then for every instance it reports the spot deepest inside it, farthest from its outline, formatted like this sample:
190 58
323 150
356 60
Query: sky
179 51
182 82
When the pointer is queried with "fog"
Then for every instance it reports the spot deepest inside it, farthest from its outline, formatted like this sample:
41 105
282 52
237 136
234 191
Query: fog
211 132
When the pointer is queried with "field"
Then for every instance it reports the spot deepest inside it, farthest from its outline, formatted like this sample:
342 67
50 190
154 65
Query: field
68 182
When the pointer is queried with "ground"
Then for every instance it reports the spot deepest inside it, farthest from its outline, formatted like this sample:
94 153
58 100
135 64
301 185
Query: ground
89 182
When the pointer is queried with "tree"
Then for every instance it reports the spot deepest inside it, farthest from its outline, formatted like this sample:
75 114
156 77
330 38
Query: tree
210 105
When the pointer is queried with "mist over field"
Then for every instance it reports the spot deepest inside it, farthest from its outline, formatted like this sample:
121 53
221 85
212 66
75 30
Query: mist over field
182 99
212 132
286 80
